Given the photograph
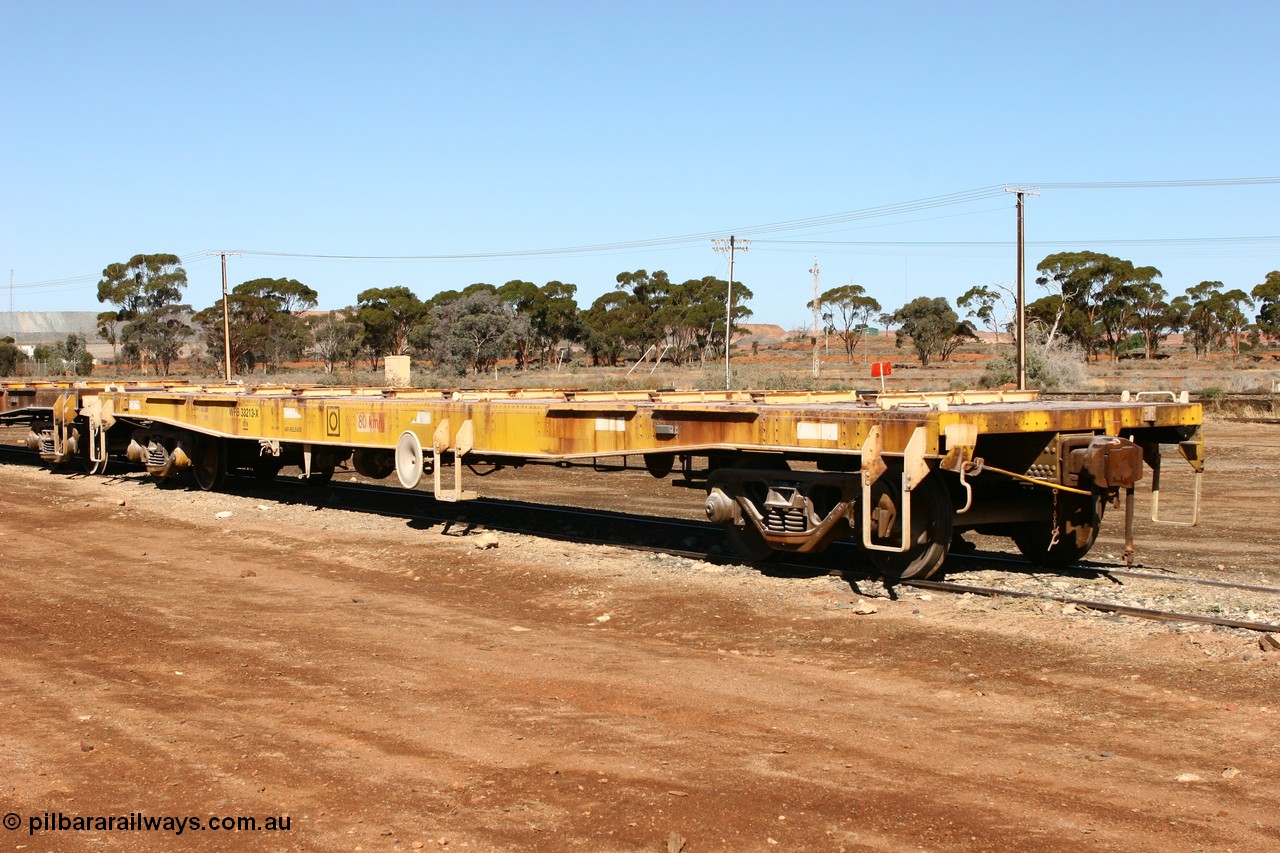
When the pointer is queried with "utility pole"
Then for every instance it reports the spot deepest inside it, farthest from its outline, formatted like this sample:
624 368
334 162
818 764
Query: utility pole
731 245
1020 306
226 322
816 360
13 320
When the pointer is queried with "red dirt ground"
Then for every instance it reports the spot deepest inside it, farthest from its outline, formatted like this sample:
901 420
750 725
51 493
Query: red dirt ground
388 687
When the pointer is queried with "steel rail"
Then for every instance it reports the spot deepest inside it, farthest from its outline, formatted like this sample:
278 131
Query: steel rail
842 570
1105 570
1101 606
941 586
505 503
1248 587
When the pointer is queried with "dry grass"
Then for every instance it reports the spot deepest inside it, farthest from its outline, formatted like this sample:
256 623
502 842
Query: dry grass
790 366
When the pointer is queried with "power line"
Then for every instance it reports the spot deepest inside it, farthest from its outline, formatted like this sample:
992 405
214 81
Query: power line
1241 241
963 197
1137 241
876 212
1140 185
193 260
879 211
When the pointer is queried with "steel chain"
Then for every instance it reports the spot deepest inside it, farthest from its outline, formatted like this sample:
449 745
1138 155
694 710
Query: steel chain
1053 537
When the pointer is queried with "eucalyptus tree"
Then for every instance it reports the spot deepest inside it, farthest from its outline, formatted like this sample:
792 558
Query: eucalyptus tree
520 296
849 311
609 325
649 292
473 332
335 338
932 326
979 302
1096 294
145 291
157 336
144 283
108 327
1074 277
279 334
10 356
553 318
74 353
265 323
387 315
1267 297
1154 317
1216 318
691 318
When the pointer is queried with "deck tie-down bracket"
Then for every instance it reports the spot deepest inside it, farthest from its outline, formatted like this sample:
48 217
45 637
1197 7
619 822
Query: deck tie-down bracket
100 415
463 443
1193 452
914 470
64 415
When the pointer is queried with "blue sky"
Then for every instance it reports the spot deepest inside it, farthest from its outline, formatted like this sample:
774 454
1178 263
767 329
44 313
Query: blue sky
428 129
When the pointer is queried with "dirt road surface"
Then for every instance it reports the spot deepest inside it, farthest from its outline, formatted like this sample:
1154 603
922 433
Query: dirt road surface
386 685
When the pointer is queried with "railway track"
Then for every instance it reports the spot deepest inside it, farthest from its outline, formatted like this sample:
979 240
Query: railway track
1094 569
834 561
1099 606
703 541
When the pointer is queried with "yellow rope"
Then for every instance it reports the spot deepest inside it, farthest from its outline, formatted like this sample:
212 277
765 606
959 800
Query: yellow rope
1034 481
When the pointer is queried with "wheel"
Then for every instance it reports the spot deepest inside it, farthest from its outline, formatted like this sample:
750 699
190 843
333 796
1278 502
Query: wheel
659 464
409 459
210 464
931 518
266 468
320 476
1078 520
375 464
747 543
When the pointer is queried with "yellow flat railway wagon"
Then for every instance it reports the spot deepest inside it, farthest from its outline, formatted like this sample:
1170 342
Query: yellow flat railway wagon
900 475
